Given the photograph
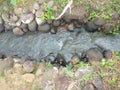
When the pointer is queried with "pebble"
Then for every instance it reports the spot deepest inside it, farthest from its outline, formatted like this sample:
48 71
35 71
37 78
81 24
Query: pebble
32 26
91 27
27 18
44 28
93 54
28 77
39 20
29 66
99 21
108 54
75 60
71 27
56 23
36 6
18 31
6 64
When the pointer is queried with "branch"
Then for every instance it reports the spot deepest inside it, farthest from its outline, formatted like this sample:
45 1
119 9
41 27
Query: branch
65 9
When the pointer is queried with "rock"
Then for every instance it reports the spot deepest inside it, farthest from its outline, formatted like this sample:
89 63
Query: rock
71 27
8 27
18 68
40 69
53 31
6 17
13 18
48 79
19 60
18 11
61 29
93 54
18 23
39 20
62 82
108 54
39 12
32 26
56 23
28 77
44 28
40 1
75 60
2 27
97 82
77 12
36 6
60 60
50 3
89 86
27 18
50 58
6 64
107 28
24 26
66 19
29 66
91 27
82 71
2 56
99 21
18 31
115 15
25 30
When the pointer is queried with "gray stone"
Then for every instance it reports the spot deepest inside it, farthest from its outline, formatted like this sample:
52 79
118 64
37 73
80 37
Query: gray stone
18 11
108 54
29 66
18 31
100 21
36 6
39 12
93 54
39 20
82 71
56 23
71 28
27 18
6 64
13 18
44 28
62 82
32 26
2 27
89 87
50 3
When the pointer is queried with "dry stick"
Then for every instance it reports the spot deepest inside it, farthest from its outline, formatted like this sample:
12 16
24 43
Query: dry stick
65 9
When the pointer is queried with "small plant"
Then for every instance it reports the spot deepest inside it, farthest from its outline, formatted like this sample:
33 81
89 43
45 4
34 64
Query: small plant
113 81
82 64
48 14
69 67
87 76
15 2
49 65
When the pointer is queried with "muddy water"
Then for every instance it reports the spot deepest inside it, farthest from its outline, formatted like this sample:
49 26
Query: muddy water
38 45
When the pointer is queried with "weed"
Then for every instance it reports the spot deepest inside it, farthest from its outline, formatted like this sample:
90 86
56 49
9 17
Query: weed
113 81
15 2
82 64
48 14
69 67
49 65
87 76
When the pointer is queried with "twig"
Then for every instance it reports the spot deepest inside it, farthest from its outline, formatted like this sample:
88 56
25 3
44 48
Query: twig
65 9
